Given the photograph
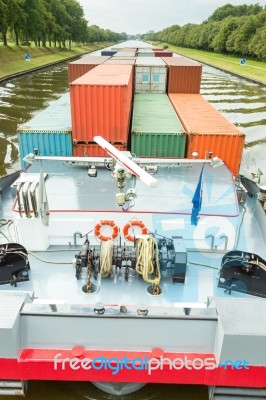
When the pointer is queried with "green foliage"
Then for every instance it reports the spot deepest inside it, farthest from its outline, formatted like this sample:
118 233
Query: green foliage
237 30
257 45
228 10
50 20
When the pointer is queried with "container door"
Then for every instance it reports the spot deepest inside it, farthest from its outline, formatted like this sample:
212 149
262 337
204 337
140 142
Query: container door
143 79
158 79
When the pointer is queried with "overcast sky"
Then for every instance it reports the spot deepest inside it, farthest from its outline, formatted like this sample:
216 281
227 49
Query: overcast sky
140 16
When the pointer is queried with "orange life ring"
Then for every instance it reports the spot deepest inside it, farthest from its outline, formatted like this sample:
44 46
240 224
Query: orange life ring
140 224
97 230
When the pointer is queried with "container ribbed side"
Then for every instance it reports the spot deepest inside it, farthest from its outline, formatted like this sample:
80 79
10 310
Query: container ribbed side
47 143
158 145
103 110
184 79
94 150
156 129
208 130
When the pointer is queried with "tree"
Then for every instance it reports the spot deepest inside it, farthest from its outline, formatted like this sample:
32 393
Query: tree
228 10
245 32
207 34
257 45
226 28
4 19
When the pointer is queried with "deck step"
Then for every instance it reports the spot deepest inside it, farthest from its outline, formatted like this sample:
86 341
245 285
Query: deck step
12 388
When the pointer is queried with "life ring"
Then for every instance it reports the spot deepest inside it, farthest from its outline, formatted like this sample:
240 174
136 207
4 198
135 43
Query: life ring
97 230
140 224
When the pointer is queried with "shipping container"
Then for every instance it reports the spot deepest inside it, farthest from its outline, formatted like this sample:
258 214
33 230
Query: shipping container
120 60
101 102
163 53
184 75
94 150
80 67
156 129
108 52
125 54
131 49
150 75
123 58
125 49
145 53
208 130
49 131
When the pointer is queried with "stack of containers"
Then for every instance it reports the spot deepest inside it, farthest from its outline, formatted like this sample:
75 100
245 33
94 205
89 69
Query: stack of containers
146 53
150 75
101 103
80 67
184 75
208 130
156 129
49 131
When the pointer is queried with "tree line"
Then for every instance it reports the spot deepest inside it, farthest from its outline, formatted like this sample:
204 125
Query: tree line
235 30
50 21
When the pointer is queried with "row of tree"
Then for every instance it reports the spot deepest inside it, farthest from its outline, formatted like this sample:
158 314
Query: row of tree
235 30
52 21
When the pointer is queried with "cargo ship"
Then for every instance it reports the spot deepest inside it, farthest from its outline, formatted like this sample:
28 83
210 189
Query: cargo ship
132 250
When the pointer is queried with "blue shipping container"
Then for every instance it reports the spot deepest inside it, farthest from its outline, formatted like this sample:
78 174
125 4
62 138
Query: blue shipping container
49 131
108 52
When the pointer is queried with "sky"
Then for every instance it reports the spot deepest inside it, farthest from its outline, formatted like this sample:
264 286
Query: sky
140 16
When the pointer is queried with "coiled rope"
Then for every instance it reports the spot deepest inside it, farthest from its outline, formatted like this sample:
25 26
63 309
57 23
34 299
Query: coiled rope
145 264
106 257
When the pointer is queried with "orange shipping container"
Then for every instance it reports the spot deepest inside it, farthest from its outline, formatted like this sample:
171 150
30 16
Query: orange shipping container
101 103
208 130
82 66
184 75
94 150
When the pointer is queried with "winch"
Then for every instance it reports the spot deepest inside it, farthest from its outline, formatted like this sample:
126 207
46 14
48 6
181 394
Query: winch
151 257
243 272
14 264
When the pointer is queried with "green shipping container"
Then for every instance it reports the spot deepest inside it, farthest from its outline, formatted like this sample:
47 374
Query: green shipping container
156 129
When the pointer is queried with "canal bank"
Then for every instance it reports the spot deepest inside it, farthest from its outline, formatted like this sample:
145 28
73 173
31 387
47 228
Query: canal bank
17 61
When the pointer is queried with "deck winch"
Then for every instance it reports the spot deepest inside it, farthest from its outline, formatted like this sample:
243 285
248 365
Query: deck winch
14 264
243 272
151 257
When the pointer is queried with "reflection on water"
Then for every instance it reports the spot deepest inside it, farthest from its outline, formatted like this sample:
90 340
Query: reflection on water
19 100
86 391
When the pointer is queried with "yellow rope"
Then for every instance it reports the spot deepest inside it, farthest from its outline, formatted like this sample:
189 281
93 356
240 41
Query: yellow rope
145 265
106 257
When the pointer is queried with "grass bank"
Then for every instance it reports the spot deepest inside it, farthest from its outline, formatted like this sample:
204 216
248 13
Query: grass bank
255 70
12 58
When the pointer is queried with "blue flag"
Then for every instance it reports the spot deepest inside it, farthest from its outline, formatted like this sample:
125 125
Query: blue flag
196 201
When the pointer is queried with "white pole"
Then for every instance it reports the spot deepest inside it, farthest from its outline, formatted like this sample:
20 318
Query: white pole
126 162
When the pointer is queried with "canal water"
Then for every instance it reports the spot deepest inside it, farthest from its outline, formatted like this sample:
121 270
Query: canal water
241 101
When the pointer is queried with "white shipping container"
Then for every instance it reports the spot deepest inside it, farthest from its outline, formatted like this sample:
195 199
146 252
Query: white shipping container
150 75
146 53
125 54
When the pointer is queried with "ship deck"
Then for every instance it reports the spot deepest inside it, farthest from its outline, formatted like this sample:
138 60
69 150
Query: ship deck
70 191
